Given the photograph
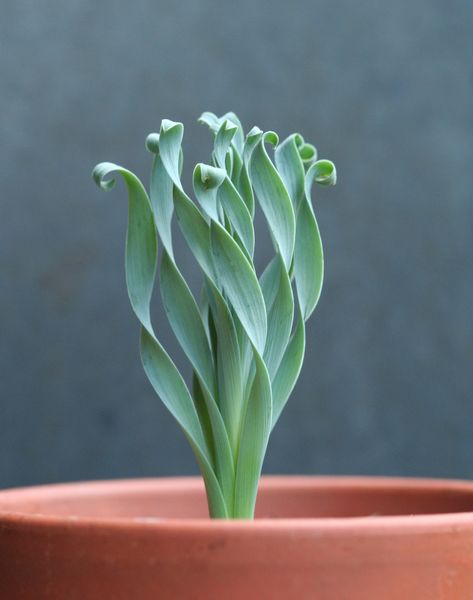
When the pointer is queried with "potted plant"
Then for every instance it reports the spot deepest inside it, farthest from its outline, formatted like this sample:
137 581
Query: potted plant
317 538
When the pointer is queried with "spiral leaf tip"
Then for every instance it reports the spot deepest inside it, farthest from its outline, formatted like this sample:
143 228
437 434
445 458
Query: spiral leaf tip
326 173
100 172
152 143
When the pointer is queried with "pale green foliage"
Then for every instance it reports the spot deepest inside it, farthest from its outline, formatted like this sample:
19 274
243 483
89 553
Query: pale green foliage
242 341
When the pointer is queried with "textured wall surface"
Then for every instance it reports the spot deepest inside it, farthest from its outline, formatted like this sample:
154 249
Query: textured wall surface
385 89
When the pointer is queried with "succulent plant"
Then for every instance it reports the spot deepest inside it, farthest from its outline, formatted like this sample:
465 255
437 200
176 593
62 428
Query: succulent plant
245 337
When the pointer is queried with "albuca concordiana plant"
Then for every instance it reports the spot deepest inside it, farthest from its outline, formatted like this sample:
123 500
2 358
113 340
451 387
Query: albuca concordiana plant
245 338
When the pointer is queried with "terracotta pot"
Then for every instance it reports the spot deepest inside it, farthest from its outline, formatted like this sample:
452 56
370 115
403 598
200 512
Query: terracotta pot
315 538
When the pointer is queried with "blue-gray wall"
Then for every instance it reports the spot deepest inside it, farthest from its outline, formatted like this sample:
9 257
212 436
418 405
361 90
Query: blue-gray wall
385 89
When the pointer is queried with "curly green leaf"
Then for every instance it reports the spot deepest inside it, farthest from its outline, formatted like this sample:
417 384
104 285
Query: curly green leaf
273 198
240 284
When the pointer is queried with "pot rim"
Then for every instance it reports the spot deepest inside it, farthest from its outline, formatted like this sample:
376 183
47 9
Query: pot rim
365 524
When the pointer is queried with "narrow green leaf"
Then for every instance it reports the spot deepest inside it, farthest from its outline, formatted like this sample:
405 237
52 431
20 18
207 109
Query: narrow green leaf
200 403
289 370
170 387
217 441
238 214
229 161
212 333
239 138
253 137
273 198
308 252
170 139
290 166
246 191
237 166
280 314
240 284
206 182
269 281
230 385
185 320
195 230
244 183
224 458
161 194
308 260
223 139
141 242
255 432
219 508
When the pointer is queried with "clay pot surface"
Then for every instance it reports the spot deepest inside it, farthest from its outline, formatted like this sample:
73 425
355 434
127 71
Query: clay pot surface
314 538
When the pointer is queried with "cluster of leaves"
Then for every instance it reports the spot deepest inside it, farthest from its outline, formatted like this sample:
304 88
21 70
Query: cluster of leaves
245 338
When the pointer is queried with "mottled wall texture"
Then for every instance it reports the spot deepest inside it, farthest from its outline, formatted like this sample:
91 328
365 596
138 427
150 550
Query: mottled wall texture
385 89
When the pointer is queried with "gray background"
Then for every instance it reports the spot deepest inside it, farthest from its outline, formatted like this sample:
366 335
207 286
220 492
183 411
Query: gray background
382 88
